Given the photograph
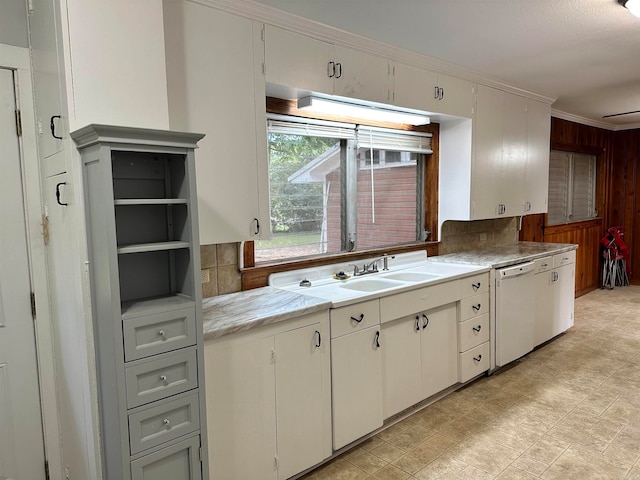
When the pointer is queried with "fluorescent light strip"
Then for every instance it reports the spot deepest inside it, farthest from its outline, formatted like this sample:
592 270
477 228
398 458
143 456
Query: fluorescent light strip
352 110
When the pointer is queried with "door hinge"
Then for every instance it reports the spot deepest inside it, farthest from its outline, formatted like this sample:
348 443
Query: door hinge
33 305
275 462
45 229
46 470
18 123
200 453
264 69
262 33
273 356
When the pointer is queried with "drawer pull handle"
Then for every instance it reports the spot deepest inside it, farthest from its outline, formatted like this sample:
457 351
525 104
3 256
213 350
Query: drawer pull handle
166 422
376 339
162 333
477 329
425 324
544 265
417 323
318 339
164 379
476 308
358 320
475 286
478 358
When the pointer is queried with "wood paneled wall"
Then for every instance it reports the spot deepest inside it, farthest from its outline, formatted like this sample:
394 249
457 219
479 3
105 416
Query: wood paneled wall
617 183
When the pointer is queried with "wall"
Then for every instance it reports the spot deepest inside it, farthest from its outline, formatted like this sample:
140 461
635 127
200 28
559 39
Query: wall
614 193
13 23
463 236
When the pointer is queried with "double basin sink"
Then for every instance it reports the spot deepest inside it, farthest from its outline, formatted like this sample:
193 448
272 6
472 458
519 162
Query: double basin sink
388 280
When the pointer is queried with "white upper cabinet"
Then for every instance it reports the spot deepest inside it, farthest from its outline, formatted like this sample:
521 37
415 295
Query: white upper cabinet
215 87
504 174
434 92
537 178
302 62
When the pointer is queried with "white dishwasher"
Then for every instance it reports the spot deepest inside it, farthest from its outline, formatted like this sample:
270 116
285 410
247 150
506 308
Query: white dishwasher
514 312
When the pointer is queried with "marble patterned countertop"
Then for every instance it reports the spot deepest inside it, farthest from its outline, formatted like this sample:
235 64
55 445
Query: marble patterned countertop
237 312
505 255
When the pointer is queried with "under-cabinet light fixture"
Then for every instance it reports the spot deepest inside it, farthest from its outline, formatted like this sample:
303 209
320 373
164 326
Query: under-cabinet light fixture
632 5
345 109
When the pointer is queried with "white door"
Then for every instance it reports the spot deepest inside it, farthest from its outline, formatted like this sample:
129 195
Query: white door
21 440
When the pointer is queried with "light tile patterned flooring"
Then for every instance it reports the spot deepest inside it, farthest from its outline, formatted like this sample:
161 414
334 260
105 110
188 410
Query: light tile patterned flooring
569 410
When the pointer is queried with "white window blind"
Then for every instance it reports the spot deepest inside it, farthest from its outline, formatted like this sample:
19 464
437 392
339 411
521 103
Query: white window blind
572 186
397 140
286 125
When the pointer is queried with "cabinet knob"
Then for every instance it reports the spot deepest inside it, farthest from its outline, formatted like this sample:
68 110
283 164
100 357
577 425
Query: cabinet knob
162 333
478 358
476 308
376 340
166 422
331 69
359 319
417 323
425 324
318 339
475 286
163 378
477 329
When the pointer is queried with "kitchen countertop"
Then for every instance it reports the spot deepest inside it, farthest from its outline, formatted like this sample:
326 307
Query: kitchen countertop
237 312
505 255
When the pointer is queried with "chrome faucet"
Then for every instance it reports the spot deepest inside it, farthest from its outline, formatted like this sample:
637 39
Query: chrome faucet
371 267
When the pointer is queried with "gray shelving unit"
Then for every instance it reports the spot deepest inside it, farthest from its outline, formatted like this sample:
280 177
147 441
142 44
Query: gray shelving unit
144 266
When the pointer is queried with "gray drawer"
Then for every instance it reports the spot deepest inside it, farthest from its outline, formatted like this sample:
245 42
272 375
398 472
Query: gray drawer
154 334
161 376
180 461
163 421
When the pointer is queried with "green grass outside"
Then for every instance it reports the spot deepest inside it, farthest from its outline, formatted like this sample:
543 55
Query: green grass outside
289 240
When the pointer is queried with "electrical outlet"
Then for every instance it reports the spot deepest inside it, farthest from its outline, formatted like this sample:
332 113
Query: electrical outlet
205 276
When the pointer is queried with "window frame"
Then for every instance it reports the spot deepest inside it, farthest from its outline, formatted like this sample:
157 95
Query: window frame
256 275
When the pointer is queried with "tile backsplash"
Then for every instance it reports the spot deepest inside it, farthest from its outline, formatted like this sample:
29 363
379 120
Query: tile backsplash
463 236
220 269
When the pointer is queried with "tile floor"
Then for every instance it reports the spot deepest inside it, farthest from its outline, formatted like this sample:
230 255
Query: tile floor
569 410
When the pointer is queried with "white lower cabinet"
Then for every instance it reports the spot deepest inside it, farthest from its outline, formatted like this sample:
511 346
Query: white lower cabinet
268 403
356 377
555 292
419 358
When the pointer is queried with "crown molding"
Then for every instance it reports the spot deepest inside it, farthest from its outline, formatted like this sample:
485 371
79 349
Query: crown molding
592 123
278 18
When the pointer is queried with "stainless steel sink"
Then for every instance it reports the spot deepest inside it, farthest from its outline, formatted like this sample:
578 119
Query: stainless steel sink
412 276
370 285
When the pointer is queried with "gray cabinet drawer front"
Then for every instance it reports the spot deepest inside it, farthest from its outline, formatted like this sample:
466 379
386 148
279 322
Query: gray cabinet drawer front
177 462
169 374
155 334
163 422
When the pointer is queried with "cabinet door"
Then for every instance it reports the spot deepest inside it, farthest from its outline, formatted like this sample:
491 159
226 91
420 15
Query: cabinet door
212 91
543 307
47 81
564 296
298 61
241 410
487 161
439 349
514 154
538 137
303 414
457 96
401 367
415 88
361 75
356 379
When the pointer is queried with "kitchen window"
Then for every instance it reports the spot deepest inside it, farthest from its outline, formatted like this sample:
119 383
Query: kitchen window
572 187
339 187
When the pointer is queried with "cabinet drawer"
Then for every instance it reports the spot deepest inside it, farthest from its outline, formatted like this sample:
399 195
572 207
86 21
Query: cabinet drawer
152 426
354 317
474 306
154 334
408 303
179 461
474 285
170 374
473 332
473 362
543 264
564 258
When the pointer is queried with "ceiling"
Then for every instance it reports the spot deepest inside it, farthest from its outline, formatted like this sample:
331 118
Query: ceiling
584 53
